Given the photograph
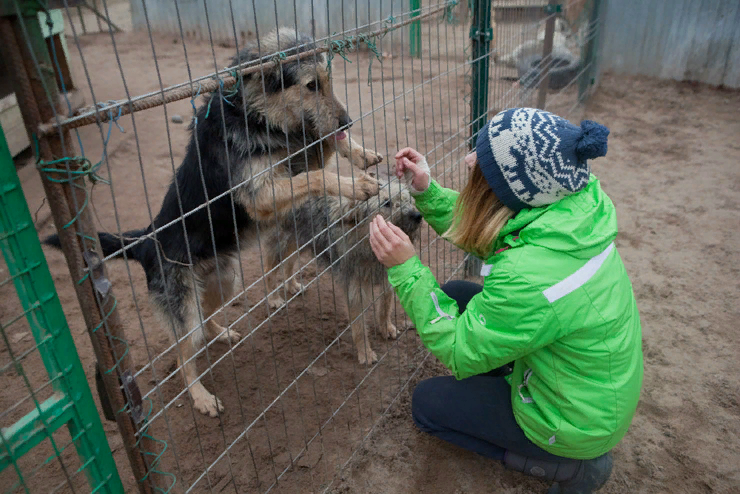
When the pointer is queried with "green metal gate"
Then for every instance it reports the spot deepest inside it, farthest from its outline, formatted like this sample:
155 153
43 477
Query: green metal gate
60 399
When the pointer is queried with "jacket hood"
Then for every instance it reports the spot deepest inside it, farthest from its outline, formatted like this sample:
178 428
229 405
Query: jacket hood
582 224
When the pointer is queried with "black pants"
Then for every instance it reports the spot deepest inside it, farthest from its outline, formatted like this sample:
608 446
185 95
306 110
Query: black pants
473 413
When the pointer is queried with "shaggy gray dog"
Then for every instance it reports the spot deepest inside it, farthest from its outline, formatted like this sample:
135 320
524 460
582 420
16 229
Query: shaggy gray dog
337 231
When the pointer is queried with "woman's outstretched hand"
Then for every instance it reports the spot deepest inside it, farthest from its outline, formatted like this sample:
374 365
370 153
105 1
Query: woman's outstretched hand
390 245
411 164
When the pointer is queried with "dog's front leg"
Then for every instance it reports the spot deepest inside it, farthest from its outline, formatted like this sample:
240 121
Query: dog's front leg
386 315
280 197
357 295
360 157
281 247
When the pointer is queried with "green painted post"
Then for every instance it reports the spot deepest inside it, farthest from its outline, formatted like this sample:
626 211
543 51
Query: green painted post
72 403
23 42
415 30
481 35
590 52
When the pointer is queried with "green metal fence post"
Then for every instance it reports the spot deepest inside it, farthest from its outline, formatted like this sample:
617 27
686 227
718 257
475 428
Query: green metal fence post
589 60
415 30
481 35
72 404
33 74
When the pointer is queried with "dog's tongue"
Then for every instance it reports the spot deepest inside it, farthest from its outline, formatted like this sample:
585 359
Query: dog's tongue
340 135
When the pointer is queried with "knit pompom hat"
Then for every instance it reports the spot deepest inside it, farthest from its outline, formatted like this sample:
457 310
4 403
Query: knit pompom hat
533 158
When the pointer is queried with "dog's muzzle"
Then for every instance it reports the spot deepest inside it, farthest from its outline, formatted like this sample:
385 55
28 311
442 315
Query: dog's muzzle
345 121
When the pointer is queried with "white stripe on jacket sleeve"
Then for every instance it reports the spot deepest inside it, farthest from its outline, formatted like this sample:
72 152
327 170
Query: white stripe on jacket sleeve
442 314
579 278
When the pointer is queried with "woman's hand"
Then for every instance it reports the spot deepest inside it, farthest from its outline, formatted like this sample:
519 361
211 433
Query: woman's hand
412 164
390 245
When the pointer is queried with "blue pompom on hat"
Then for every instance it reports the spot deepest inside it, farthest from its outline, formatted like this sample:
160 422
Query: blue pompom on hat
533 158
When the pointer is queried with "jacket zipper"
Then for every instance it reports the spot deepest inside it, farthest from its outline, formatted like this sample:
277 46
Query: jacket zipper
525 382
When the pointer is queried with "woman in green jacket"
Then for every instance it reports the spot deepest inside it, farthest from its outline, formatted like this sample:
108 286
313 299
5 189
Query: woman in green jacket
546 356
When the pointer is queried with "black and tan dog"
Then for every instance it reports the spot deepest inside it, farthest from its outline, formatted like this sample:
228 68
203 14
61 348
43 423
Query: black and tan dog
234 176
336 231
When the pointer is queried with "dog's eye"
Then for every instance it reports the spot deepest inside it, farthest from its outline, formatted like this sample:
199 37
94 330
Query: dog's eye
312 86
386 204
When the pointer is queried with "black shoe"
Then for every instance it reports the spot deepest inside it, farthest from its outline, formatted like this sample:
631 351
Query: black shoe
591 476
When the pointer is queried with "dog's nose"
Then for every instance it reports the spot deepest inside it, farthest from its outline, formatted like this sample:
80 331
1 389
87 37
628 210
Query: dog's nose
345 121
416 216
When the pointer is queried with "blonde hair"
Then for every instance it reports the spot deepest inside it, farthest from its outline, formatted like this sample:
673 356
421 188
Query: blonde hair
478 218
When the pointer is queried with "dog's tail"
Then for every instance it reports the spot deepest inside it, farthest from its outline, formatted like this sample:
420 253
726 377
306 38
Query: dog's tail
109 243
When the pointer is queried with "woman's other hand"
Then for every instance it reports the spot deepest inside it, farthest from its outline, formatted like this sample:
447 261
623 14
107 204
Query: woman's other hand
412 165
390 245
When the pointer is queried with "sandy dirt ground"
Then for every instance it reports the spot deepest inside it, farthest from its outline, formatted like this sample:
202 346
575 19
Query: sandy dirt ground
672 171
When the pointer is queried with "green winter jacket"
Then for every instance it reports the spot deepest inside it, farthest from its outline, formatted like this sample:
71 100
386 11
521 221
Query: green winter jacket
557 300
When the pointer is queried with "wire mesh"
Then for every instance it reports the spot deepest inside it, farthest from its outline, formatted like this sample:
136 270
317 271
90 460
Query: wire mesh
295 395
51 437
30 391
520 67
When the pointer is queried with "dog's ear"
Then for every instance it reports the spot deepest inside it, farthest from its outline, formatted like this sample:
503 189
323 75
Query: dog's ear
354 212
275 78
273 81
280 78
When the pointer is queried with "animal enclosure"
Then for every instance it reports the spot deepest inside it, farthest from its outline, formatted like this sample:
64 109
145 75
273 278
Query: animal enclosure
247 346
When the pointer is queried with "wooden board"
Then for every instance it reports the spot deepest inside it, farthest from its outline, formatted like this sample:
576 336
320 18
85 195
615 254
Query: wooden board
11 121
7 7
